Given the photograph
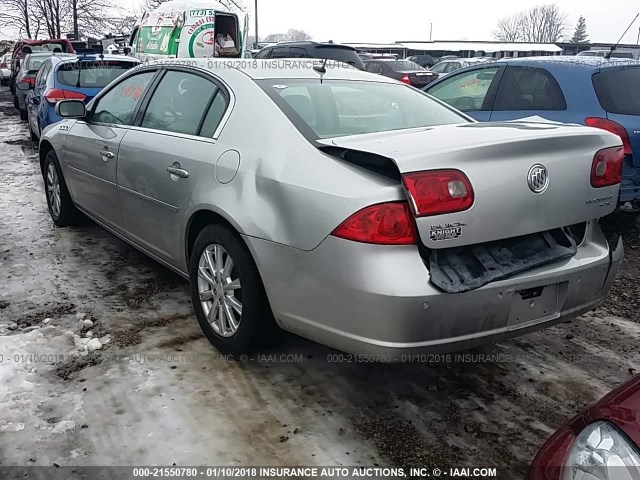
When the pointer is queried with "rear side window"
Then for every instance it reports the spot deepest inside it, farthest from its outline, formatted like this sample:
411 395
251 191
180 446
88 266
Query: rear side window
618 91
91 74
526 88
280 52
297 52
214 115
263 53
466 91
179 103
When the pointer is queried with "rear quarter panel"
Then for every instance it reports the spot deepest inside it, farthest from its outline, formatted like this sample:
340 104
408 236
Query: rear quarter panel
285 191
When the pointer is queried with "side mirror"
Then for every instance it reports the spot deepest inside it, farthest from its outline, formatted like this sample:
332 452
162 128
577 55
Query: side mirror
24 86
126 50
71 109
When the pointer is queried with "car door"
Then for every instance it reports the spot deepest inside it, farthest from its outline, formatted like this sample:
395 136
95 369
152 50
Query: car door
91 152
34 98
471 91
527 91
169 153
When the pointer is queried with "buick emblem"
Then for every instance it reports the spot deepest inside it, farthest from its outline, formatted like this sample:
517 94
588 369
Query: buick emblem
538 178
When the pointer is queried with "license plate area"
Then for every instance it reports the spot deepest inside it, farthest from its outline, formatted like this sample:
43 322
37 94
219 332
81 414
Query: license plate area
534 304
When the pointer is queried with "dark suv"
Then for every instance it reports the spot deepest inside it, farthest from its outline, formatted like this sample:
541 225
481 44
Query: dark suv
331 51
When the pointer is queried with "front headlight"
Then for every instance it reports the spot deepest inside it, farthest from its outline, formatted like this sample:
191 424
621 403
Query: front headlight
600 452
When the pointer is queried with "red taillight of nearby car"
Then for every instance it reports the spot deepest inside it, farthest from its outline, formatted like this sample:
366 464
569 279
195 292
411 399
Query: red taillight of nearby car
55 95
606 168
383 224
613 127
3 65
405 79
438 191
30 80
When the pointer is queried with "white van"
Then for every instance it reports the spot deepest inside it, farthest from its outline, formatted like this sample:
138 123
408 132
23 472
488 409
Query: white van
189 29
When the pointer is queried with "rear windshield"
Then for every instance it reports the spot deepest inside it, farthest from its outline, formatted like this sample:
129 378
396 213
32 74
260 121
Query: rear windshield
340 54
399 65
618 91
46 47
91 74
337 108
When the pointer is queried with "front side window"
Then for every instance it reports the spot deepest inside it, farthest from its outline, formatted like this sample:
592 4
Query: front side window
118 105
336 108
466 91
179 103
526 88
263 53
374 67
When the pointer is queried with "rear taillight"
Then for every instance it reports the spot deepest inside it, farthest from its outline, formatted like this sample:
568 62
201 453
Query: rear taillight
613 127
606 169
30 80
3 65
55 95
382 224
405 79
438 191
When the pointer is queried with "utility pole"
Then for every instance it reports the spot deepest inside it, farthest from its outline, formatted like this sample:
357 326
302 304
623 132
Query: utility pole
74 7
430 30
256 17
638 41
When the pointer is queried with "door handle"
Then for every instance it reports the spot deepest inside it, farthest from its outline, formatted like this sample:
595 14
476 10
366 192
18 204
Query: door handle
106 155
177 171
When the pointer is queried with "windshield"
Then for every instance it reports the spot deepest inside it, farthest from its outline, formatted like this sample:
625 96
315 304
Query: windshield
92 74
348 107
617 90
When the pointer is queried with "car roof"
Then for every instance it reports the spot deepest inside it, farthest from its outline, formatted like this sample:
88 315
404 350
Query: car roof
311 43
590 62
95 57
263 69
49 54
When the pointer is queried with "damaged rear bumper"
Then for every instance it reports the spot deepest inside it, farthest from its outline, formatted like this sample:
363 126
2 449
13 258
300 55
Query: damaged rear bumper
378 300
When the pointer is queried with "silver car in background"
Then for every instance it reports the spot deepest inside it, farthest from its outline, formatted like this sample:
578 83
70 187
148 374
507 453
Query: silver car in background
359 212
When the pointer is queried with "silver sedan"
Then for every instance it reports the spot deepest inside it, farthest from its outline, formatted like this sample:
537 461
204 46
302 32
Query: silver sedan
339 205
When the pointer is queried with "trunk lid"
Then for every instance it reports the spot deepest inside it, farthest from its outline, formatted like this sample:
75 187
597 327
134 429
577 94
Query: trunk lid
420 78
497 159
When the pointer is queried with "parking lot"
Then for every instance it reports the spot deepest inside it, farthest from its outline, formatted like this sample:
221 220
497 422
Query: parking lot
156 392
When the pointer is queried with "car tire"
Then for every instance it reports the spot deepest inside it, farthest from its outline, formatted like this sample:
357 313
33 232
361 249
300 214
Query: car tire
61 208
254 322
34 137
16 105
23 114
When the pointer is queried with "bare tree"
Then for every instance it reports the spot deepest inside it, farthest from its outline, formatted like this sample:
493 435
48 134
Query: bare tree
540 24
17 14
297 35
509 29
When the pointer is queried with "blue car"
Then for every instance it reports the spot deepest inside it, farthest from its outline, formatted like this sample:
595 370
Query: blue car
590 91
66 78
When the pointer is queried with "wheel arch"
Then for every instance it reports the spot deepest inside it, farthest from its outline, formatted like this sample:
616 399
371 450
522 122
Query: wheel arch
201 218
45 148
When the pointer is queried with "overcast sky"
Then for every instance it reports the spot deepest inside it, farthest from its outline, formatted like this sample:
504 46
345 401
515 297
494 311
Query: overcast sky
378 21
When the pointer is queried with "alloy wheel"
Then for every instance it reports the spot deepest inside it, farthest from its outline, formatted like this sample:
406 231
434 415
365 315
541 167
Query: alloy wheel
53 190
220 290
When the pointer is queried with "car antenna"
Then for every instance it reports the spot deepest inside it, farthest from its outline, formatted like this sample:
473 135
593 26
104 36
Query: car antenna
321 69
608 55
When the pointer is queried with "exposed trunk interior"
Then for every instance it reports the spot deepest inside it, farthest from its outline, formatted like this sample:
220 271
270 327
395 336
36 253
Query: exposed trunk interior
227 25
